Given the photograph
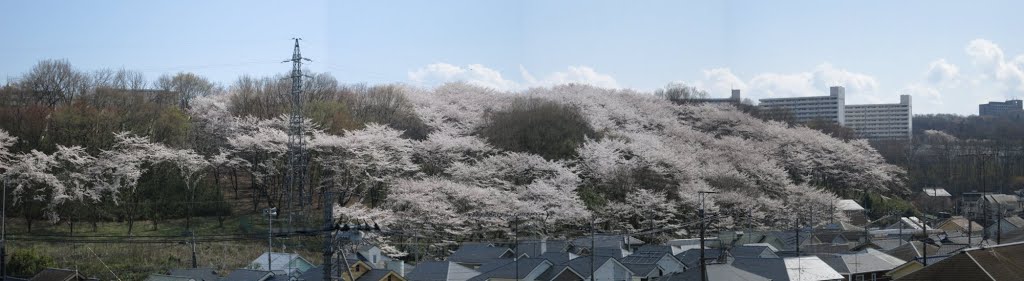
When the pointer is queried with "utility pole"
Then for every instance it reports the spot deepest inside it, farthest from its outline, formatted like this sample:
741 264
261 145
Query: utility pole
195 262
271 212
703 224
328 237
924 242
3 234
593 246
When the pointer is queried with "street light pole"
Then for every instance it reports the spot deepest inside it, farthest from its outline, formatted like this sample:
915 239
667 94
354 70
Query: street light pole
703 265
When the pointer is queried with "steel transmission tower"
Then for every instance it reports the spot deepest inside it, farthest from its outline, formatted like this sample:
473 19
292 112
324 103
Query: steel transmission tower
295 180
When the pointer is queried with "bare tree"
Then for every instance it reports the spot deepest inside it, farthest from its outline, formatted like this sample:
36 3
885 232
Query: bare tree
186 85
55 81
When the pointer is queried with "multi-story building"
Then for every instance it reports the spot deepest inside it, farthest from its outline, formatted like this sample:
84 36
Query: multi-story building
881 121
870 121
805 109
1010 108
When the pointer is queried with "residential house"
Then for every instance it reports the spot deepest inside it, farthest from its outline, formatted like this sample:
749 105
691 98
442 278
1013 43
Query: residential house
474 255
528 269
281 263
909 224
959 225
807 268
853 211
666 261
719 271
561 273
604 269
996 263
249 275
56 274
371 255
904 269
441 271
357 269
870 264
199 274
913 250
932 200
616 246
1005 225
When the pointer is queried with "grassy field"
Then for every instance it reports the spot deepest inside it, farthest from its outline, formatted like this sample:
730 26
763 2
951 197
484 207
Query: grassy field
110 254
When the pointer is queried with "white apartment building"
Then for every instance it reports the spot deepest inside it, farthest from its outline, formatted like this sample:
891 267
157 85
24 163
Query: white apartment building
806 109
870 121
881 121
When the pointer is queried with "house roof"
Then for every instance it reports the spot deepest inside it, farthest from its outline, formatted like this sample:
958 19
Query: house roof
691 257
782 269
936 192
643 258
748 251
1015 221
56 274
582 264
656 249
513 270
440 271
1005 199
199 274
1000 262
715 272
479 253
848 205
961 223
247 275
642 270
163 277
870 260
558 257
557 270
374 275
279 261
913 249
841 226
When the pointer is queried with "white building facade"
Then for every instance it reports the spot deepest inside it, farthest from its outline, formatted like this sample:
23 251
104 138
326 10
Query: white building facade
869 121
805 109
881 121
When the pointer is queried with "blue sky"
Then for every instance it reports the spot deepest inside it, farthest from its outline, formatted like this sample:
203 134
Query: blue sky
949 55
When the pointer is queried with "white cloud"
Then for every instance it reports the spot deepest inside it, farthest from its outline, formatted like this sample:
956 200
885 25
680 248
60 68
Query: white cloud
942 72
994 64
720 82
580 75
922 92
439 73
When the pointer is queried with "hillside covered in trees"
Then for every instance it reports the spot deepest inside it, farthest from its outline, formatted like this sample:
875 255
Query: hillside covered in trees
106 147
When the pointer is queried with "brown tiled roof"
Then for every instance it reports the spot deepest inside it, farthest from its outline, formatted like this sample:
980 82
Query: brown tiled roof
998 263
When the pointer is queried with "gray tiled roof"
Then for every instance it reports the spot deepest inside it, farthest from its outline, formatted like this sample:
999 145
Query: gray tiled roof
715 272
246 275
582 264
440 271
870 260
199 274
479 253
509 271
641 270
752 252
691 257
